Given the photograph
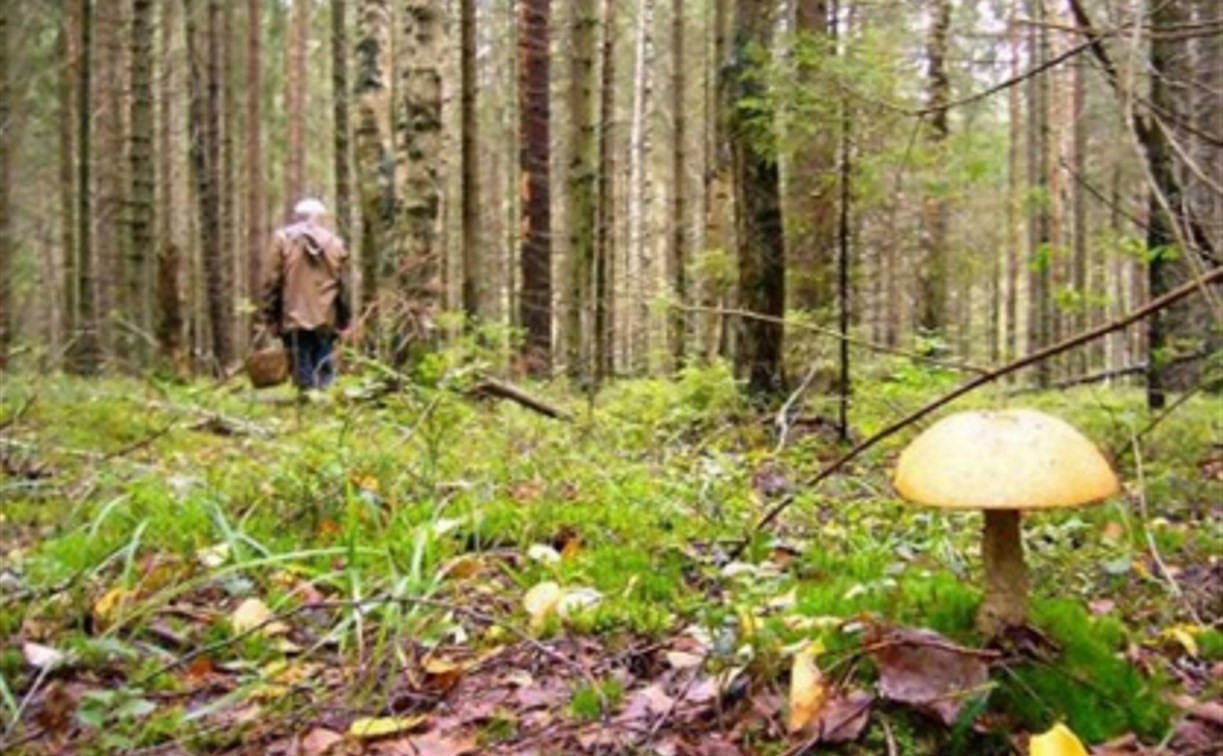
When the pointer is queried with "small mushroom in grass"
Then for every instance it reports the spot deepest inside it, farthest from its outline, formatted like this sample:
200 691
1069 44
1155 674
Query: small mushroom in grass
1003 462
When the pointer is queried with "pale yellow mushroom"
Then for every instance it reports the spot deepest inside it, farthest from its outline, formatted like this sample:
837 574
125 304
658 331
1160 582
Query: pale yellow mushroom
1003 462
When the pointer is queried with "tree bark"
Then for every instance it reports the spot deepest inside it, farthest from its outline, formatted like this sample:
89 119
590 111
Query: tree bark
419 273
1040 238
473 257
680 226
932 273
375 173
66 54
85 352
205 162
169 299
639 267
296 105
141 250
341 121
535 302
812 225
7 135
605 255
762 273
256 202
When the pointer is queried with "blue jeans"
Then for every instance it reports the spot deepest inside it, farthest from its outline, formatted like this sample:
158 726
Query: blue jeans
313 366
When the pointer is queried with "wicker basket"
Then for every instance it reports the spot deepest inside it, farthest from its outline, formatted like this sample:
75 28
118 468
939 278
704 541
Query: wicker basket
268 365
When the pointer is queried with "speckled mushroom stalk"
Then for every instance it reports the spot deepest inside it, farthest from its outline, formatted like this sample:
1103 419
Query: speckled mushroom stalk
1003 462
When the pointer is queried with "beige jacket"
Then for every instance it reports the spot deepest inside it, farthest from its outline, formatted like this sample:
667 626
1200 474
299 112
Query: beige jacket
305 280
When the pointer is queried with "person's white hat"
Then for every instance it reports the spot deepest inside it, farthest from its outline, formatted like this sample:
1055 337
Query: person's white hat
310 208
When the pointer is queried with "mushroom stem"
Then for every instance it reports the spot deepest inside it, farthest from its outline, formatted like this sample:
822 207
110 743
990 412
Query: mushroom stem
1006 575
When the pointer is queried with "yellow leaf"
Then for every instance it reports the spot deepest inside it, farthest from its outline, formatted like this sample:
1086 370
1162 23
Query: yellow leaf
541 601
105 608
1183 635
1060 740
368 728
808 691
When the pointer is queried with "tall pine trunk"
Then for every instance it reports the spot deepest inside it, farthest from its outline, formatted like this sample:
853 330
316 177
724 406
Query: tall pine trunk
605 255
375 175
1040 232
86 354
638 270
255 199
7 135
932 273
297 105
66 54
762 273
535 301
680 246
472 257
341 122
141 250
581 194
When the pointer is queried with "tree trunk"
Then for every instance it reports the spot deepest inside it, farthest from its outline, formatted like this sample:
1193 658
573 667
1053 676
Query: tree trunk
419 274
169 299
1014 232
932 274
296 104
86 352
604 312
584 24
473 296
205 163
107 119
7 135
534 158
142 219
812 224
375 174
762 273
1078 212
256 202
680 247
66 54
639 264
1040 239
341 122
227 190
1161 238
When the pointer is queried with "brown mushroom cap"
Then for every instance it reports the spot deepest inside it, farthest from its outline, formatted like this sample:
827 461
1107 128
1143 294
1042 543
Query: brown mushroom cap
1003 459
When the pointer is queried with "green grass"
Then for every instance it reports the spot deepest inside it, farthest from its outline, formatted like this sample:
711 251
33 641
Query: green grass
364 499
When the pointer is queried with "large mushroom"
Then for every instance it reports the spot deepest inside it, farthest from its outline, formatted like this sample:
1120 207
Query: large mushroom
1003 462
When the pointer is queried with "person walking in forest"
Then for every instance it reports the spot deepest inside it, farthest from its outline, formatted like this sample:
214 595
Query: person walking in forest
305 293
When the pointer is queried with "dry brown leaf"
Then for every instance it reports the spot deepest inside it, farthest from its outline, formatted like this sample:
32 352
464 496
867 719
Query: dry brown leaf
844 717
648 702
253 613
320 741
925 670
434 743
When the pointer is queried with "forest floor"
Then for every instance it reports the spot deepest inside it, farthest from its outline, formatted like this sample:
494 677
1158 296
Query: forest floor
203 568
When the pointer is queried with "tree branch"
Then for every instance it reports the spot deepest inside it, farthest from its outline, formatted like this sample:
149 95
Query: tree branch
1200 284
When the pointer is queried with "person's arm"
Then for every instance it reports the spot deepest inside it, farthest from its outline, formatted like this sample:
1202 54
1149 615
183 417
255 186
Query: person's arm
273 285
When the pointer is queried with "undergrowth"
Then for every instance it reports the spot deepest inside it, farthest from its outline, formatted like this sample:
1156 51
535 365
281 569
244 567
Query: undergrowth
161 494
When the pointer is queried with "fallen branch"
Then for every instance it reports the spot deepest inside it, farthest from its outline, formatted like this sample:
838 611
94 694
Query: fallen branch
501 390
1156 305
1105 375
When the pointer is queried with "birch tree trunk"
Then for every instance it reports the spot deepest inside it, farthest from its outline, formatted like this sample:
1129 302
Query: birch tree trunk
419 127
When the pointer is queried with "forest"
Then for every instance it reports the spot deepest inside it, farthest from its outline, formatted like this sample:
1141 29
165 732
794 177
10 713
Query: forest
513 376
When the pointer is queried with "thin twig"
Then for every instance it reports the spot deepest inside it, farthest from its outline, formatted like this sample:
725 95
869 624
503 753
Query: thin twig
1152 547
1154 306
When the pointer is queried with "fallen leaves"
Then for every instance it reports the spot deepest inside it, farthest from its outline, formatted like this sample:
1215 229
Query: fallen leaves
370 728
254 615
925 670
808 689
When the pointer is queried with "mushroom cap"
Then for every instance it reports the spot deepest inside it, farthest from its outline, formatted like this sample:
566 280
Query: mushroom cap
1003 459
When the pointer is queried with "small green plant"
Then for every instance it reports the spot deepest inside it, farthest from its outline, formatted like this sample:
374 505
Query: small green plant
591 702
